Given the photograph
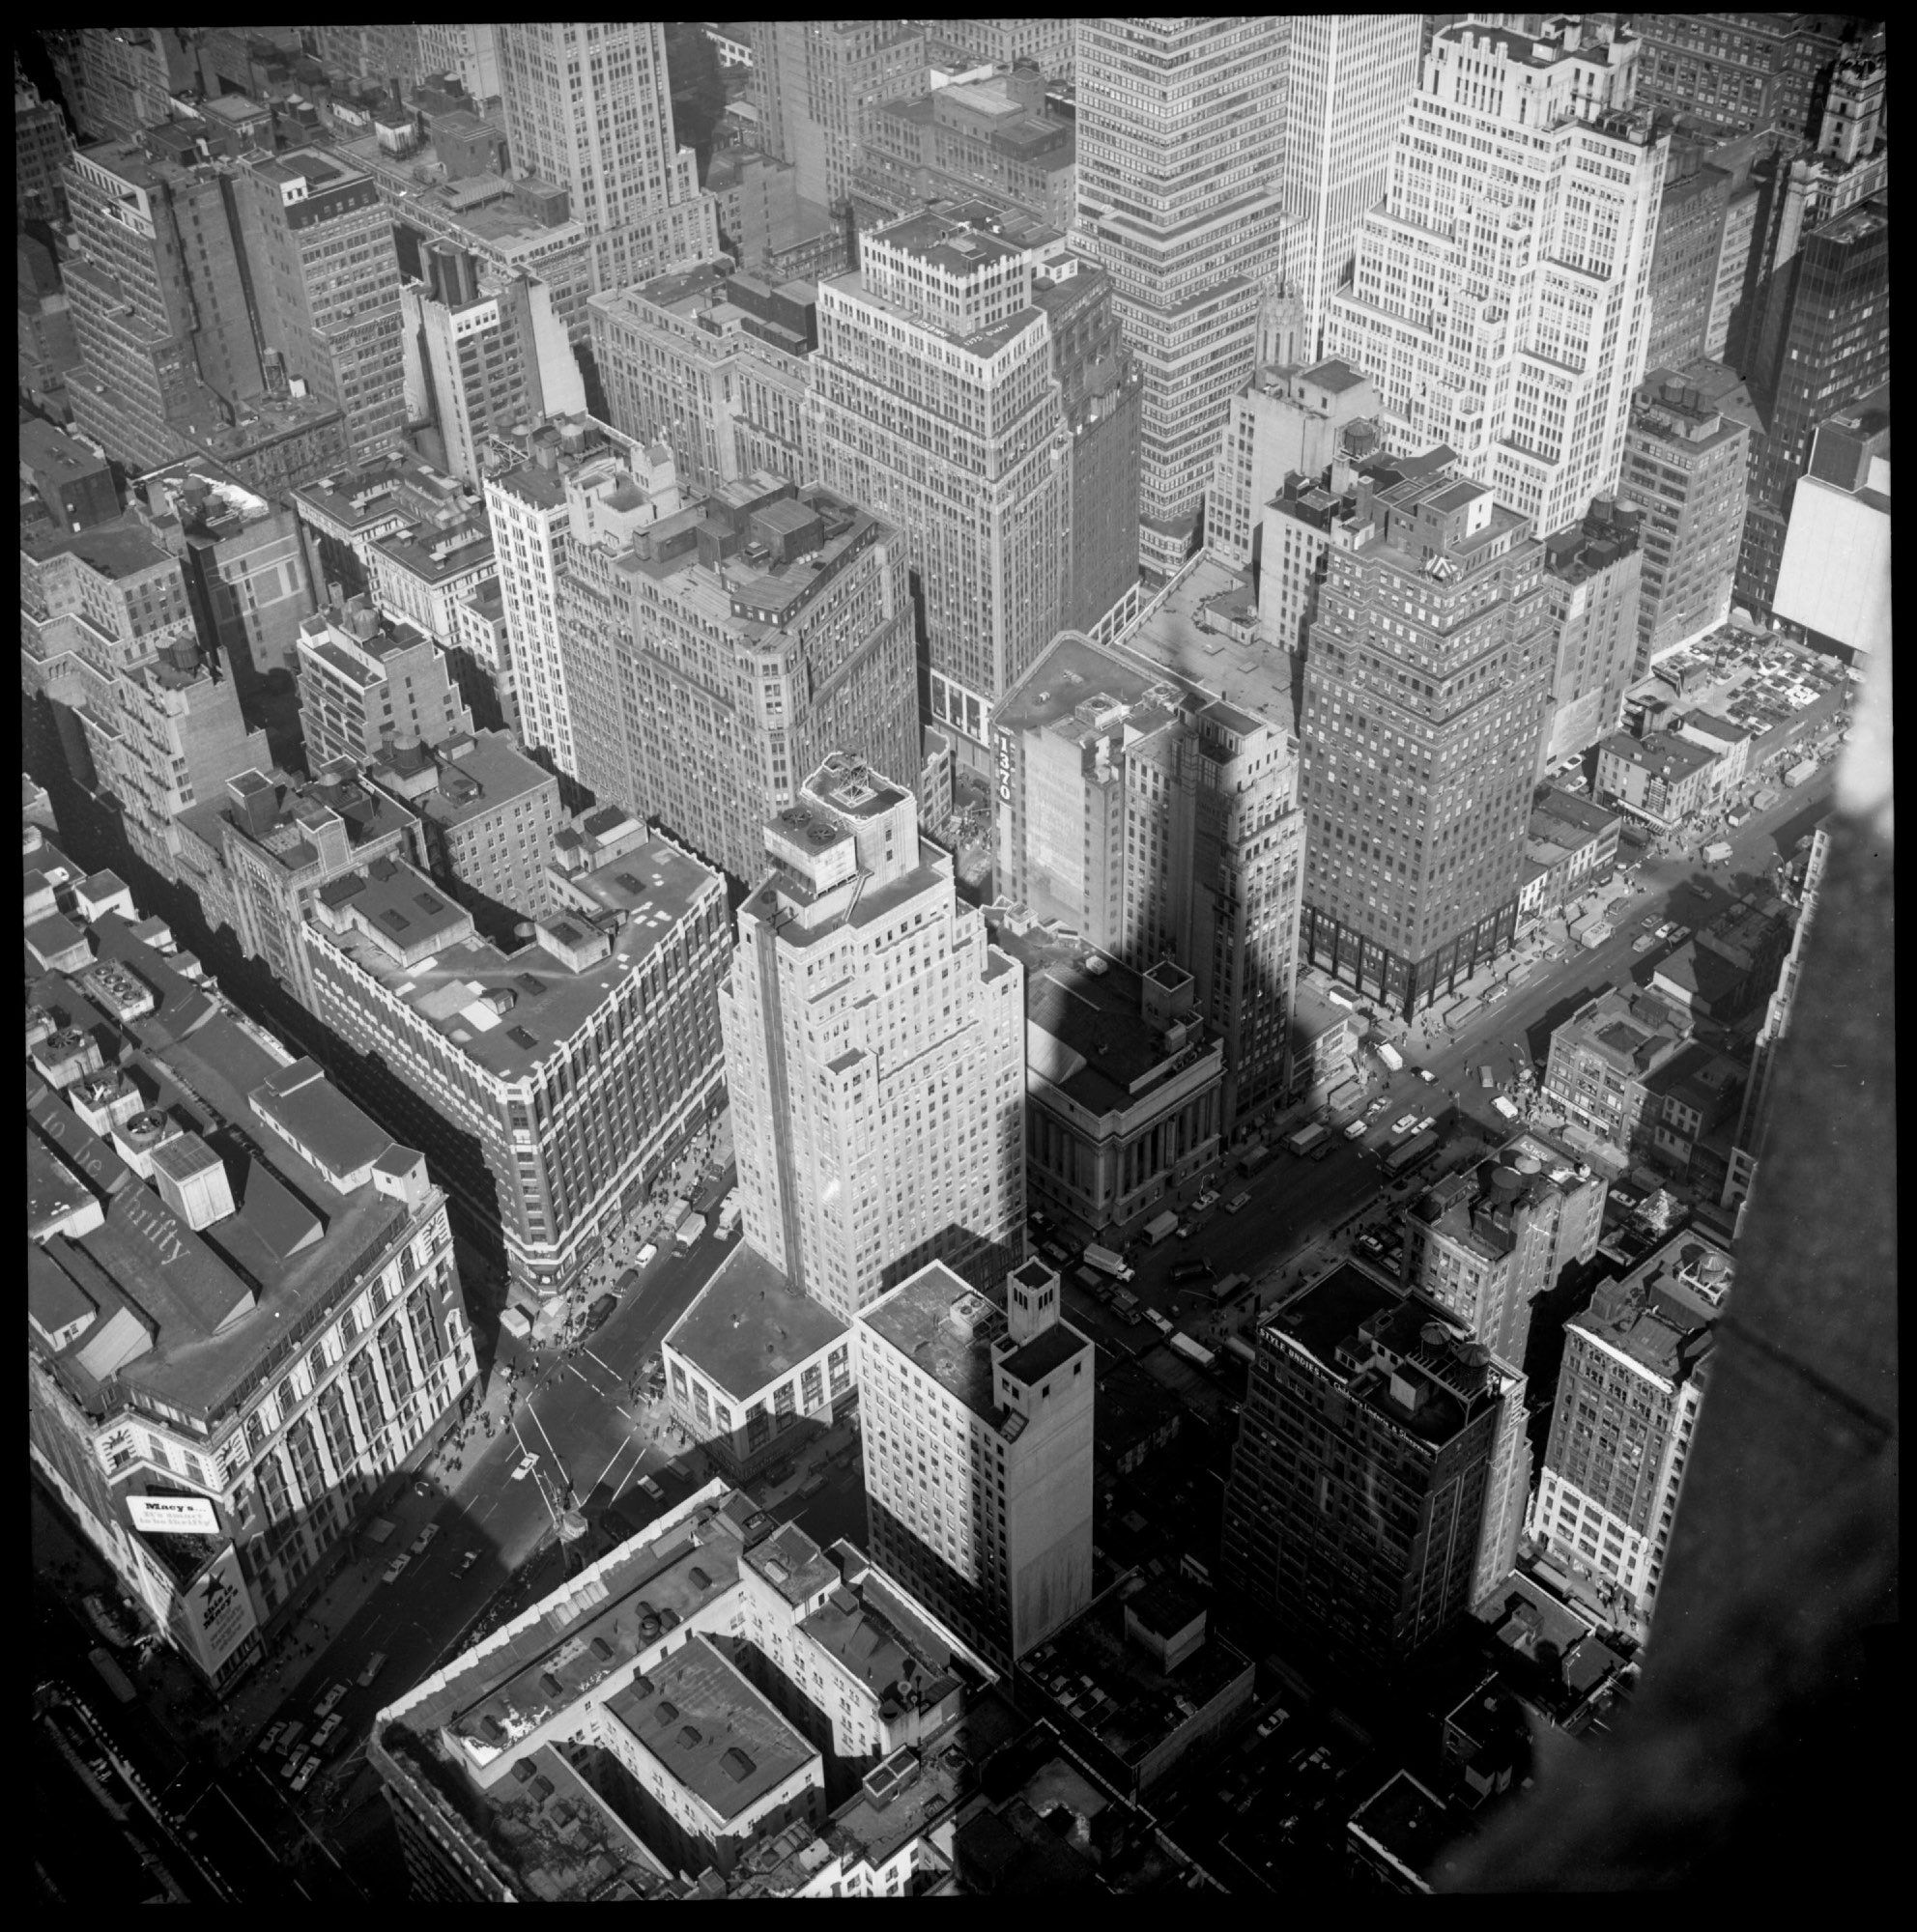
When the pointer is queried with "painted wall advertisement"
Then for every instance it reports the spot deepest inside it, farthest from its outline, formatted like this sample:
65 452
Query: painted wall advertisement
213 1615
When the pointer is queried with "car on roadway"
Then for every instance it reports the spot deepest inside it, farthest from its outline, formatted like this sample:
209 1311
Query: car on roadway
601 1310
1649 921
324 1734
1357 1130
1378 1107
1425 1074
1404 1123
423 1539
268 1739
374 1664
1679 934
652 1488
1642 943
1429 1120
466 1561
325 1706
290 1770
1205 1200
525 1465
646 1253
303 1777
398 1565
1665 930
1237 1201
1198 1271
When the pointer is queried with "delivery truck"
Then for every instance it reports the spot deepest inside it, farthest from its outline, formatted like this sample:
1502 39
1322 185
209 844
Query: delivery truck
1109 1262
1161 1225
1305 1138
1594 936
1391 1056
689 1230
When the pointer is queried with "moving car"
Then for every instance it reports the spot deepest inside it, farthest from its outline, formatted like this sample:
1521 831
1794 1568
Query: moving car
374 1666
1649 921
1642 943
652 1488
1665 930
425 1537
1237 1202
1404 1123
1355 1131
597 1315
1425 1074
1199 1270
466 1561
1378 1107
399 1564
325 1706
525 1465
1429 1120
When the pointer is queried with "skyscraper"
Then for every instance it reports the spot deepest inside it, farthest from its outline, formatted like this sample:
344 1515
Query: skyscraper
1425 689
1181 161
1159 822
40 144
1636 1366
1500 296
1352 77
875 1054
816 83
934 403
1376 1490
1593 577
588 109
977 1430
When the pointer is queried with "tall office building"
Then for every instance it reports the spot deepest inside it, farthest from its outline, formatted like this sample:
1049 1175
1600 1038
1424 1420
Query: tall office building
1352 77
1686 463
1181 164
1485 1243
1377 1488
1742 72
1826 343
1159 822
818 83
977 1428
570 481
1049 43
588 109
41 144
470 54
1833 583
875 1054
1593 577
325 276
244 1309
367 686
550 1083
1426 690
481 355
807 591
1637 1363
934 404
1686 263
1499 302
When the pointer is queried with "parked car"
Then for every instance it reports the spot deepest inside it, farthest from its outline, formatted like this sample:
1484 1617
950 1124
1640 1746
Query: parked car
1404 1123
1429 1120
1649 921
652 1488
397 1564
466 1561
325 1706
1205 1200
1357 1130
373 1666
646 1253
1642 943
1425 1074
423 1539
325 1731
1237 1202
268 1739
303 1777
1679 934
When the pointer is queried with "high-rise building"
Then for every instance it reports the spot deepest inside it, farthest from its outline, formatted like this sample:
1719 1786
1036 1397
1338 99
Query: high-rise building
1485 1243
1501 297
1377 1488
1047 43
588 109
1826 344
1160 823
156 286
125 79
1181 166
713 363
765 225
994 139
244 1310
934 403
258 851
41 144
484 354
1686 461
1833 583
805 589
818 83
383 54
1742 72
1351 78
571 481
875 1054
976 1419
1592 575
1420 741
367 686
1686 262
550 1082
1285 420
470 54
1637 1363
324 277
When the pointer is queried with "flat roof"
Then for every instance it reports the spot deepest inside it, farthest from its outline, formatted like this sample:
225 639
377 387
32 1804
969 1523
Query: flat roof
492 773
117 549
915 1318
716 1735
749 1326
1178 637
1073 671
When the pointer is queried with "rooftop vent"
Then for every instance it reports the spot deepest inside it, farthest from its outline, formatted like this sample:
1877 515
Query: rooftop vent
667 1710
690 1736
821 835
795 814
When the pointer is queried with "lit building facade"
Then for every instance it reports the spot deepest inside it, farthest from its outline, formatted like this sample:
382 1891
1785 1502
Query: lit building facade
367 686
976 1421
1181 164
1501 300
1592 580
875 1053
1421 740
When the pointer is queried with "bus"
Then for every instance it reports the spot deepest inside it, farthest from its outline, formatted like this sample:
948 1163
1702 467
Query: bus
1413 1154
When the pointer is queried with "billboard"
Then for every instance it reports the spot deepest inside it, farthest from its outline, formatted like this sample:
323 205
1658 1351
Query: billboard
214 1615
175 1516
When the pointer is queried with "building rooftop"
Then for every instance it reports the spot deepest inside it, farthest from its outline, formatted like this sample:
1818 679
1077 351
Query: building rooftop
1635 1032
477 773
119 550
485 206
433 555
215 1304
716 1735
1662 1314
1566 819
1075 683
510 1013
1478 1206
1179 637
1087 1034
947 1328
749 1327
1397 1355
1662 753
1404 1822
